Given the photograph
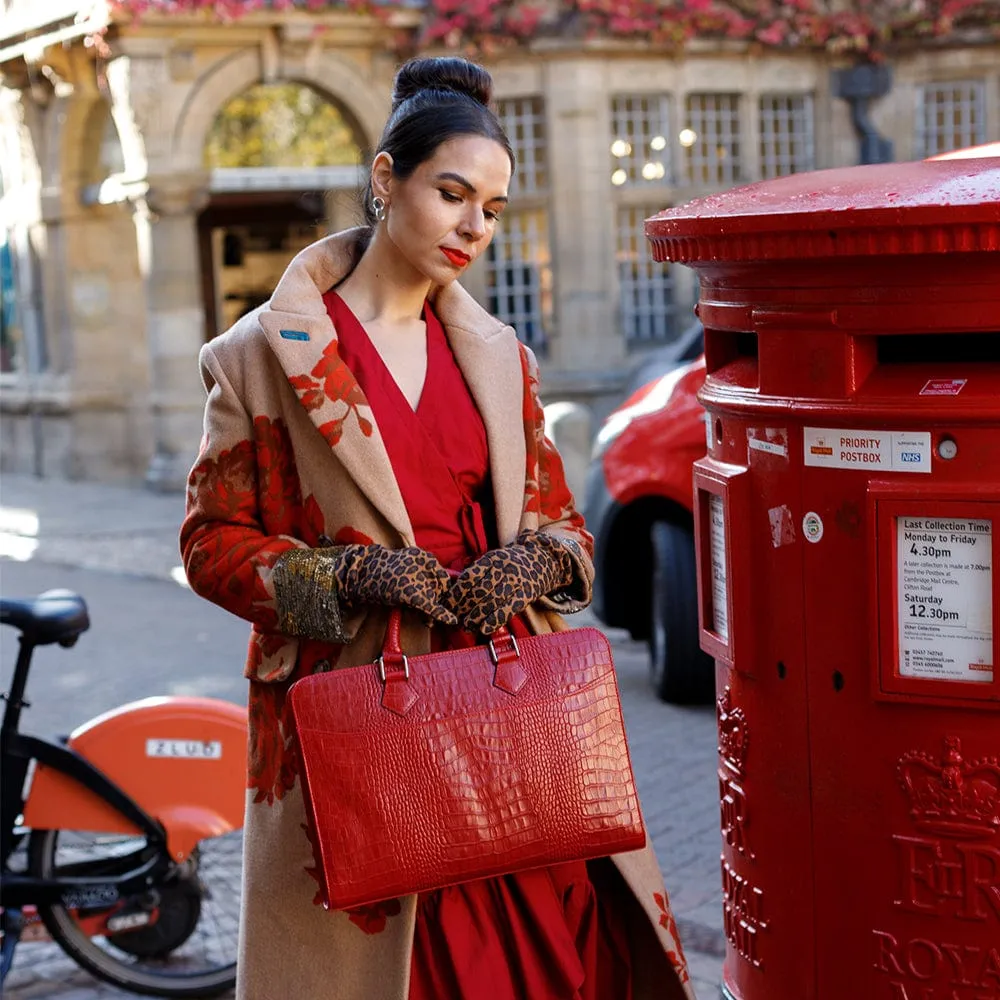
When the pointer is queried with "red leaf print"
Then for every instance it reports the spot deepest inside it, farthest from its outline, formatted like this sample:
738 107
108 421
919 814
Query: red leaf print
340 384
668 923
302 383
355 397
351 536
280 495
332 430
312 521
313 399
328 363
223 486
272 765
366 426
662 904
372 919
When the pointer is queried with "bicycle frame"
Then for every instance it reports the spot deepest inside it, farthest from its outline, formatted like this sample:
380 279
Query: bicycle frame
171 770
17 751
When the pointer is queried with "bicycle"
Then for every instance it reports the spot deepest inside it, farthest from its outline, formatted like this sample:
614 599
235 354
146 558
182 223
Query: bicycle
125 836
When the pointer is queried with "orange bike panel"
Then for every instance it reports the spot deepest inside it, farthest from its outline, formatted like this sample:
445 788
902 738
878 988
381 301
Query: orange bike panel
183 760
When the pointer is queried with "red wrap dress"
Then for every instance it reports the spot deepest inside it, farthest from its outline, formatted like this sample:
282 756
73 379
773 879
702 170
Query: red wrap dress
547 934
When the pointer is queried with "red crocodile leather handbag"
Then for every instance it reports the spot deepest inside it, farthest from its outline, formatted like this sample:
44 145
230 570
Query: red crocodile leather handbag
425 771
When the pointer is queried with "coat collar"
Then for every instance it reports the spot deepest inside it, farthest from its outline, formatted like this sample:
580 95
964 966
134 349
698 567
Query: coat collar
304 340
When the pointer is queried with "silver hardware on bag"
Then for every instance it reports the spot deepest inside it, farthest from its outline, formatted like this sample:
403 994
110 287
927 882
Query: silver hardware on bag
493 651
406 667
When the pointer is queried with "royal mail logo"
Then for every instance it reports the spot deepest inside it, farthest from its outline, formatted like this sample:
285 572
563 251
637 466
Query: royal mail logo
952 796
820 449
732 728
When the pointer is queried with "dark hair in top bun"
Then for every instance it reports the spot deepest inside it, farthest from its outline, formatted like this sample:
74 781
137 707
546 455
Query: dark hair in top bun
442 73
433 100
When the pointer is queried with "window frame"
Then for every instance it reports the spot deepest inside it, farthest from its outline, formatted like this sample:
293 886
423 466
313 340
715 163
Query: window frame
690 175
791 138
977 91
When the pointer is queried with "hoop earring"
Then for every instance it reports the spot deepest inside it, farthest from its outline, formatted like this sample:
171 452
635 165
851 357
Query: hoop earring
378 207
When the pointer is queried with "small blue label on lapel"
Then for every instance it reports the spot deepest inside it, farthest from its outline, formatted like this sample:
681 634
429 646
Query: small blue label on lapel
294 334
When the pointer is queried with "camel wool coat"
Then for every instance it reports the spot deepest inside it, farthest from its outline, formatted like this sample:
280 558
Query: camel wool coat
291 452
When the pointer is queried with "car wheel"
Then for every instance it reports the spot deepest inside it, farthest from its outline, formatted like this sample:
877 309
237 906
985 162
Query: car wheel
681 672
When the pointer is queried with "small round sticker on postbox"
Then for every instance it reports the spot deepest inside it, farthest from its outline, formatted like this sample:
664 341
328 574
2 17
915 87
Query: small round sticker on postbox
812 527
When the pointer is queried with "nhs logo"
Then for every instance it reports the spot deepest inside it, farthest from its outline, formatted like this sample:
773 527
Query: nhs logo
911 451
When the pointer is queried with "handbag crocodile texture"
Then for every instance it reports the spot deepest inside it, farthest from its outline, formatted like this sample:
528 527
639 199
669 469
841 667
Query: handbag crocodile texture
426 771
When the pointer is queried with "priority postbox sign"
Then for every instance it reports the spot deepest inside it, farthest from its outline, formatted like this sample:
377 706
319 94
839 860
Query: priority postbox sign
873 451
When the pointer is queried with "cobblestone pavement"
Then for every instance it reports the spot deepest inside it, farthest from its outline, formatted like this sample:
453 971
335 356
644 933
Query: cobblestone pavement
119 548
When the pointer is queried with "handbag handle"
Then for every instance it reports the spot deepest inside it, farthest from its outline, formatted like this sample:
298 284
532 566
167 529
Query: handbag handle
503 648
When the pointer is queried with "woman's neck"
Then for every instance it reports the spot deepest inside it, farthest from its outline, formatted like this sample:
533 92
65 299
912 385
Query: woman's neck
384 287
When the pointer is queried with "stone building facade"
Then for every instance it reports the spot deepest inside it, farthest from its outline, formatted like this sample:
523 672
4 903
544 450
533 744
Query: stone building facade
124 248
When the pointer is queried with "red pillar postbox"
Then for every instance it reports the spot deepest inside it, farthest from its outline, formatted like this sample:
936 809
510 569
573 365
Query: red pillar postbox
847 517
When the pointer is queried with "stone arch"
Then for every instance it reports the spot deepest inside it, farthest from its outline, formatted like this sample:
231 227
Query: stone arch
65 147
283 124
98 127
335 79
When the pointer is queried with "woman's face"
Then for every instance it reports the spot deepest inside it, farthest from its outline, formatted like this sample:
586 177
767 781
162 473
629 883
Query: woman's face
444 215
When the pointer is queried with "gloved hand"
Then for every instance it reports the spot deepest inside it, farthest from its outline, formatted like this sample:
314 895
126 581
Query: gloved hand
313 586
410 577
505 581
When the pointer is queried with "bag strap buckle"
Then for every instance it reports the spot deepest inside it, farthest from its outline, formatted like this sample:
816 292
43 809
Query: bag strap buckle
382 675
510 675
494 655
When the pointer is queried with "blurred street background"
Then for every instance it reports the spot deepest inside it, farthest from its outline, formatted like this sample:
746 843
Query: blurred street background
150 635
161 161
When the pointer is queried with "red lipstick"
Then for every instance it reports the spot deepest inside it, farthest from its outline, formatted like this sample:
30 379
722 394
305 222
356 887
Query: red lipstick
457 258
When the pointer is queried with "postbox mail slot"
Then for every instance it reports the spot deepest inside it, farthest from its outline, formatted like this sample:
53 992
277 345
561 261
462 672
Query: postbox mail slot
937 601
961 348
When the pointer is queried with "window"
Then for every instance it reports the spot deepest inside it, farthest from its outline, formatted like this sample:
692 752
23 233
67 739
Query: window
523 119
11 334
281 125
519 275
519 261
786 134
22 343
711 139
950 116
640 147
645 286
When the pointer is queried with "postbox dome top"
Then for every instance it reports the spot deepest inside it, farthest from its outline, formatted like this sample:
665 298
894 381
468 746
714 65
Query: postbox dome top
925 207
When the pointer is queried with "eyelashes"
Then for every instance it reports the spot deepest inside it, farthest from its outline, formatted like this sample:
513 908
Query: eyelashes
455 199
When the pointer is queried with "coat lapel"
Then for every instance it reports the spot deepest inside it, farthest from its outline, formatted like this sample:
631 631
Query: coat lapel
488 354
303 339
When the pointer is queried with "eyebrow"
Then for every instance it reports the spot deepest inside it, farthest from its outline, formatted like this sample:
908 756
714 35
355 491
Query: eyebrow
459 179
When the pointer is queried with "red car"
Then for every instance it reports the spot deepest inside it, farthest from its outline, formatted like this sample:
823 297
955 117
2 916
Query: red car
638 506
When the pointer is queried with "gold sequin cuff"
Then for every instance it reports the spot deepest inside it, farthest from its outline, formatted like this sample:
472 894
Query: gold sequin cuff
305 590
578 593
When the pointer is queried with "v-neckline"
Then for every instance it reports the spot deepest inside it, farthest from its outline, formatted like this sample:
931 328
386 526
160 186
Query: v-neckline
413 409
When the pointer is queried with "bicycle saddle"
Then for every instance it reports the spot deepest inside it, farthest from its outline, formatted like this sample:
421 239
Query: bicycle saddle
55 616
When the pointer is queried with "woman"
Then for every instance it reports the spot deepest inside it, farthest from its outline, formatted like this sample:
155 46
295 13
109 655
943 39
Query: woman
373 439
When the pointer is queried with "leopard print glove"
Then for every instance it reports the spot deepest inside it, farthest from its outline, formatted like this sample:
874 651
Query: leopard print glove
505 581
410 577
314 587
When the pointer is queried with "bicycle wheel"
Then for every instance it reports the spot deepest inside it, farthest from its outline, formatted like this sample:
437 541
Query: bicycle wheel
176 939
